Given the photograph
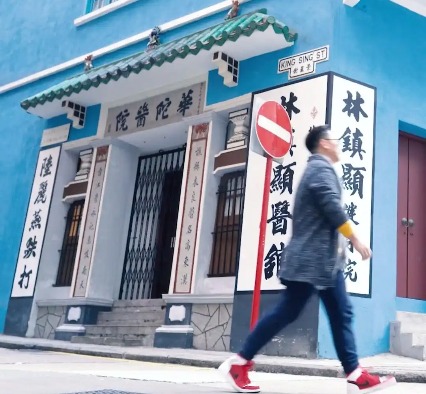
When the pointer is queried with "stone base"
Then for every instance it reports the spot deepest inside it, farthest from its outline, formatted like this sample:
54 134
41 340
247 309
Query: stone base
174 337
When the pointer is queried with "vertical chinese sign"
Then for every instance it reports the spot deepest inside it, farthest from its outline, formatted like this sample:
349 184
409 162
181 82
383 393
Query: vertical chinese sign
305 103
352 121
35 223
91 220
192 198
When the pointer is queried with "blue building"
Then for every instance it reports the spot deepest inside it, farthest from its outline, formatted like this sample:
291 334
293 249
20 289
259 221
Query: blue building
133 175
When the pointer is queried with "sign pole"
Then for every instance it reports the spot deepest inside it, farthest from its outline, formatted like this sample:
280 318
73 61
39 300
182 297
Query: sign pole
261 246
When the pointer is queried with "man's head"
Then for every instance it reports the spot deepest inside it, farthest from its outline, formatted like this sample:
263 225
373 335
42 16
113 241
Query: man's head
320 140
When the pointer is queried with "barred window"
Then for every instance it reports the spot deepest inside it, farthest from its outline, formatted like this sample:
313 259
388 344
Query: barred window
227 230
69 244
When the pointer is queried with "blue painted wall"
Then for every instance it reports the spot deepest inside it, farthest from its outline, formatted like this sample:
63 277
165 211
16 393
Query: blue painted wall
30 44
377 43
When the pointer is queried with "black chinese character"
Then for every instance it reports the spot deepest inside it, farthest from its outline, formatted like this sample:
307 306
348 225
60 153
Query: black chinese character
31 247
23 276
198 151
280 214
96 198
186 261
289 105
41 196
272 259
46 166
84 270
121 121
191 212
197 166
143 112
35 223
292 146
353 145
162 109
189 231
353 107
186 102
353 179
283 178
188 245
82 284
193 197
349 271
195 183
351 212
350 246
100 170
86 253
184 279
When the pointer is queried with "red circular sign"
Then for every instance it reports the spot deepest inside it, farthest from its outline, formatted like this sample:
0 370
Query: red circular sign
273 129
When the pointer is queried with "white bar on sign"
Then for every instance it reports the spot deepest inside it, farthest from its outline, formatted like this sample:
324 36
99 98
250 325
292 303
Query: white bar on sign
274 128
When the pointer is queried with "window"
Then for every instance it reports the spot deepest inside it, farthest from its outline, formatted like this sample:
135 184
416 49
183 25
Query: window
93 5
227 230
69 244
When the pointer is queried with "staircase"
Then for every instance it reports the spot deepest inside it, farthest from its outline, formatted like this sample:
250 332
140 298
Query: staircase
130 323
408 335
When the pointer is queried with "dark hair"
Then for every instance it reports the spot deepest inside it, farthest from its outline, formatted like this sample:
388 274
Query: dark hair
314 136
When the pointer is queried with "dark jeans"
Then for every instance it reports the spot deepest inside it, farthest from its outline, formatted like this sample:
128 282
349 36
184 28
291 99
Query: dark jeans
339 311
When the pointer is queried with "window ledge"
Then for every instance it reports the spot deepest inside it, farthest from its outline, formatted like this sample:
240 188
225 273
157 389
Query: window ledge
102 11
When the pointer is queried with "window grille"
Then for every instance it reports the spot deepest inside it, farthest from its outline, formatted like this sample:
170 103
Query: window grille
69 244
93 5
227 230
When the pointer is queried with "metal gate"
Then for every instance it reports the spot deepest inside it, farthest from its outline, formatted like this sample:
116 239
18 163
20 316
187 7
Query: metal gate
141 249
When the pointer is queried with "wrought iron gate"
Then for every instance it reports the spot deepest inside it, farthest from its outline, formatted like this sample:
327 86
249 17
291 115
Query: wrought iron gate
141 249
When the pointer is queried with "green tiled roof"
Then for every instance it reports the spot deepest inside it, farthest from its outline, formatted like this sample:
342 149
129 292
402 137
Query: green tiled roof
230 30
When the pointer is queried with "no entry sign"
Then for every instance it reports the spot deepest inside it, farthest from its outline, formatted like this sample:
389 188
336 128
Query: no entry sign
273 129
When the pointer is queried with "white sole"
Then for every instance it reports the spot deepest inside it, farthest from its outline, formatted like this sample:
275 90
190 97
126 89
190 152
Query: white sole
353 389
224 369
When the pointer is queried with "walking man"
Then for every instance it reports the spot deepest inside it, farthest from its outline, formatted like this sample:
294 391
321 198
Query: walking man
314 261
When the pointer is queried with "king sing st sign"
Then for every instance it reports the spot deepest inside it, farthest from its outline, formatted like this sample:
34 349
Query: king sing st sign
303 63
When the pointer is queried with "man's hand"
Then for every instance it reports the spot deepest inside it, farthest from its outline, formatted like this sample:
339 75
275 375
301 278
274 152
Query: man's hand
362 249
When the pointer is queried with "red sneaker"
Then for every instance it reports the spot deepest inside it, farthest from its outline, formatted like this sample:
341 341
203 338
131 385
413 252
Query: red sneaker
362 382
236 370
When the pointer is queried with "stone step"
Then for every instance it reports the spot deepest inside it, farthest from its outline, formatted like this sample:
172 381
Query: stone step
132 303
101 330
412 322
115 341
156 317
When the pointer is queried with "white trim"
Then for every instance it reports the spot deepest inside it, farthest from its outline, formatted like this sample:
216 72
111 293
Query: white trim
101 12
176 329
70 328
351 3
74 301
417 6
174 24
198 299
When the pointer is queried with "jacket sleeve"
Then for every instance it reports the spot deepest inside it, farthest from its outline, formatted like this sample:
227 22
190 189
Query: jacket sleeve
322 185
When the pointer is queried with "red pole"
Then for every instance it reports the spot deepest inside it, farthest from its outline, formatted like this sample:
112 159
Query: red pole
261 246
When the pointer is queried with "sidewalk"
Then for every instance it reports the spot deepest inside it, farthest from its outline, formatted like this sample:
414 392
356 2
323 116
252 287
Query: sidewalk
405 369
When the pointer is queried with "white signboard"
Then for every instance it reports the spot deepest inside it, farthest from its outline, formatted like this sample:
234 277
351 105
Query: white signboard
352 120
306 104
303 64
194 184
35 223
91 222
55 135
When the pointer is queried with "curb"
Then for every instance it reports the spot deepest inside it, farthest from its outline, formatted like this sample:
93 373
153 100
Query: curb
261 366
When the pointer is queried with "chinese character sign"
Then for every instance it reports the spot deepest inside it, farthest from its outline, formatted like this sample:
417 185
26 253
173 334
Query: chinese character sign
156 111
35 223
90 225
352 122
306 105
194 184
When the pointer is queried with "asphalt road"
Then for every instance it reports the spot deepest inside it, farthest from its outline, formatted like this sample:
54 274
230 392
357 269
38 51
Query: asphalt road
38 372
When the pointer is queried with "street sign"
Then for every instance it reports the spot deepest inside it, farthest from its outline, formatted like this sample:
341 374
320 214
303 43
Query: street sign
273 129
